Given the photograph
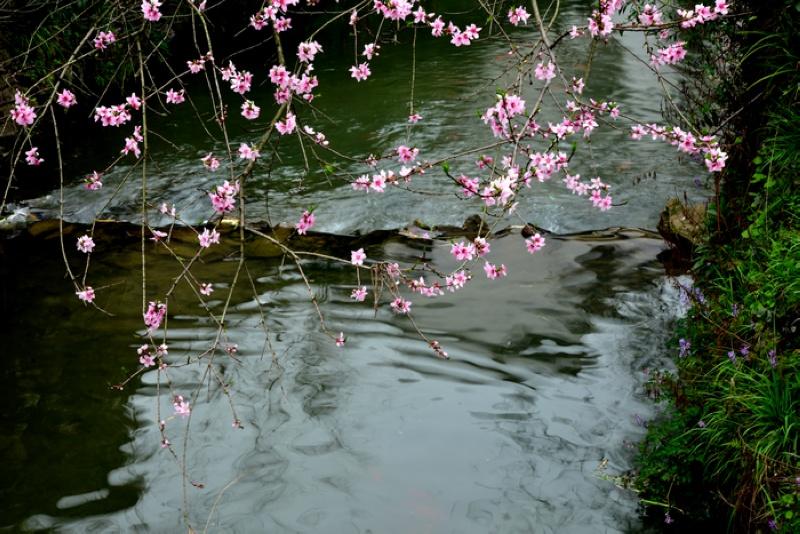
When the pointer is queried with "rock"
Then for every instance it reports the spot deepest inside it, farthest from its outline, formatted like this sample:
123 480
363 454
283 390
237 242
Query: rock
682 225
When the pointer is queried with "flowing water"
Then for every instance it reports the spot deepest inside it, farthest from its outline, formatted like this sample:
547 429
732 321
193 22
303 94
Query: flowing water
544 384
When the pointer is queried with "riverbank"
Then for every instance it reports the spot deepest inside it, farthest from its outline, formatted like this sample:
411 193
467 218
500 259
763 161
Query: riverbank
725 451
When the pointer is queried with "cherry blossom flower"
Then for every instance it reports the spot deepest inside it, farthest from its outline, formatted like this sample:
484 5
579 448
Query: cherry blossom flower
103 39
360 72
156 311
534 243
493 271
240 81
371 50
223 198
181 406
307 51
248 152
175 97
32 156
158 235
210 162
400 305
250 110
85 244
112 115
22 113
66 98
282 24
206 289
134 101
305 223
463 251
359 294
208 238
86 295
357 257
150 10
482 247
414 118
340 340
518 15
405 154
545 72
145 357
93 181
288 125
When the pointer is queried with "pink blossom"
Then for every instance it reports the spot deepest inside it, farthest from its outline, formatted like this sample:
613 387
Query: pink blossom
360 72
134 101
195 65
575 32
167 210
287 125
156 311
493 271
250 110
86 295
175 97
482 247
437 27
460 38
282 24
340 340
463 251
85 244
414 118
93 181
545 72
457 281
405 154
223 198
66 98
32 156
371 50
23 114
279 76
518 15
181 406
103 39
158 235
305 223
210 162
400 305
208 238
112 115
357 257
248 152
534 243
469 185
206 289
359 294
150 10
307 51
241 81
721 7
145 358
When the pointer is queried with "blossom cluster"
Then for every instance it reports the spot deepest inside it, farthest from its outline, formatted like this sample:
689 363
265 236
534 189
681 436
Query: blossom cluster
223 198
273 13
706 145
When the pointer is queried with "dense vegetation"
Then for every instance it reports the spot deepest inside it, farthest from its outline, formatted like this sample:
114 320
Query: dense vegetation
726 452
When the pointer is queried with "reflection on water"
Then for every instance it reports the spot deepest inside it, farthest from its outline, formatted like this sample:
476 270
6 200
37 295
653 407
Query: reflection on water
543 383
